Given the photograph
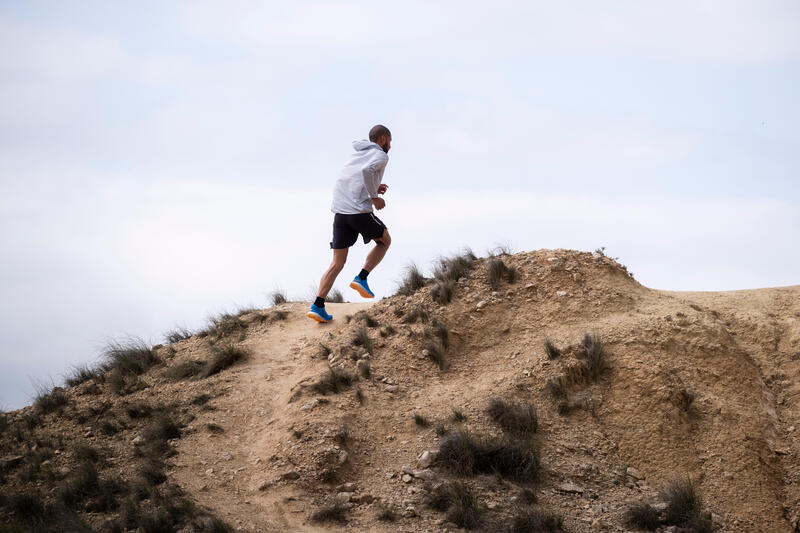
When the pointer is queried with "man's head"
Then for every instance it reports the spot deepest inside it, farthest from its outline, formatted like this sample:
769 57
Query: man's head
381 136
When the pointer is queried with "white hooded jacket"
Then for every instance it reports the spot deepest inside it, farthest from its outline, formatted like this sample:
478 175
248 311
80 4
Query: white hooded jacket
359 180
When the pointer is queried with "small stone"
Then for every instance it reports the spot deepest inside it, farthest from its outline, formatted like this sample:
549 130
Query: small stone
410 512
346 487
291 475
10 461
137 440
407 478
363 499
481 304
660 506
309 405
569 486
561 293
407 470
264 485
226 456
343 456
390 475
209 471
529 285
343 497
425 459
392 388
426 474
633 473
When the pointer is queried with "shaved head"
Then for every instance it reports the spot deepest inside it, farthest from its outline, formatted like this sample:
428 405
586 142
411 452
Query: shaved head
378 131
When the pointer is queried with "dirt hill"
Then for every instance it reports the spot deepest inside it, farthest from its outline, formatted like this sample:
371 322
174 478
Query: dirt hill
267 421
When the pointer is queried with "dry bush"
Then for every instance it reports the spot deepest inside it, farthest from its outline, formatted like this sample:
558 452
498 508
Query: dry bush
366 319
457 416
496 270
454 267
129 357
684 506
442 292
435 352
331 512
535 520
421 421
458 502
412 281
518 418
417 313
557 386
222 358
177 335
594 351
277 297
49 399
333 381
184 370
361 338
83 373
335 296
643 516
464 453
551 350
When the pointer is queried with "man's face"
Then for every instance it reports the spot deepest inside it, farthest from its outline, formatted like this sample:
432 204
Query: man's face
385 142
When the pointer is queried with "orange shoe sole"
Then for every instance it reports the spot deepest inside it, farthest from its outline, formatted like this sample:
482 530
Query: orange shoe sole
318 319
360 290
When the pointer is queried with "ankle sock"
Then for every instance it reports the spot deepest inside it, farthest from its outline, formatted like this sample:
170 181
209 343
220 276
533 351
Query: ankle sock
319 302
363 274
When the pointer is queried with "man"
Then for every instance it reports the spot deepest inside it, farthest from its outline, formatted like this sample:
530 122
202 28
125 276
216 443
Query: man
354 197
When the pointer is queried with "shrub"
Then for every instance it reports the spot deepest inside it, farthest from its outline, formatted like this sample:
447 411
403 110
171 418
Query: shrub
443 290
454 267
82 373
83 483
435 352
278 297
438 330
183 370
202 399
130 357
224 324
364 369
557 387
364 317
458 503
324 351
464 453
417 313
421 421
50 399
519 418
387 330
222 358
332 512
595 354
361 338
497 270
359 396
643 516
683 505
386 514
86 454
502 248
177 335
335 296
412 281
162 428
333 381
551 350
457 416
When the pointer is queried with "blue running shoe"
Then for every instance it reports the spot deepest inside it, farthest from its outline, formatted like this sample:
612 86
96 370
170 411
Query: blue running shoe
319 314
360 285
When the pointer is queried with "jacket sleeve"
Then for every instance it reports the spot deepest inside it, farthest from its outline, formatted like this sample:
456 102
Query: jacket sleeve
372 175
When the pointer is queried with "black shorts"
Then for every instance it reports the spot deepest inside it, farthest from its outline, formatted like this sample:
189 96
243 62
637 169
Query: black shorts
347 227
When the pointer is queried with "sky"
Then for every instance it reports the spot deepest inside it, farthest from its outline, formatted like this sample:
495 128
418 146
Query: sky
164 161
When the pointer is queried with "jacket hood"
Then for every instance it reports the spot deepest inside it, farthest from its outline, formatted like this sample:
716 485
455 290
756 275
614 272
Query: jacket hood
364 144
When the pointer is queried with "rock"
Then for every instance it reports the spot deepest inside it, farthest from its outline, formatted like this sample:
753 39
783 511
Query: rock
309 405
209 471
569 486
426 474
660 506
410 512
263 486
226 456
137 440
529 285
346 487
425 353
407 478
10 461
343 456
343 497
290 475
392 388
425 459
481 304
599 509
561 293
407 470
634 473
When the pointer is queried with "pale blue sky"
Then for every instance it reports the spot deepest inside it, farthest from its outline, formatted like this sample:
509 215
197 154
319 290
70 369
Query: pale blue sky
161 161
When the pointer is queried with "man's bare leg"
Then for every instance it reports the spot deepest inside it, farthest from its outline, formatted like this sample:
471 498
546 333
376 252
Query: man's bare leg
326 283
378 251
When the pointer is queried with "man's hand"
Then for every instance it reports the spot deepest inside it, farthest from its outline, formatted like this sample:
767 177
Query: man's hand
379 203
382 188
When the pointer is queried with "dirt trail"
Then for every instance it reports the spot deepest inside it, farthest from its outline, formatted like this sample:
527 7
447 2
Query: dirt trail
224 470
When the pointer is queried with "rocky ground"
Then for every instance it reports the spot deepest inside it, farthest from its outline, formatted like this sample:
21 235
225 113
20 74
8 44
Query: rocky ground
352 417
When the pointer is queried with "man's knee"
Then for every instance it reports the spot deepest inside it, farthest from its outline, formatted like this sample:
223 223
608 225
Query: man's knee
384 239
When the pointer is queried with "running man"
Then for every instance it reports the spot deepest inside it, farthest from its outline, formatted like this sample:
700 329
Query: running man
354 197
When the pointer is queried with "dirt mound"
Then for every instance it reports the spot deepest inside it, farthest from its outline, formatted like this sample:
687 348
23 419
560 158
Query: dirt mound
544 389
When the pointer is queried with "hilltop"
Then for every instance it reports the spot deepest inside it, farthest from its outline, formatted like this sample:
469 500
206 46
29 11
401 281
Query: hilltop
545 389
